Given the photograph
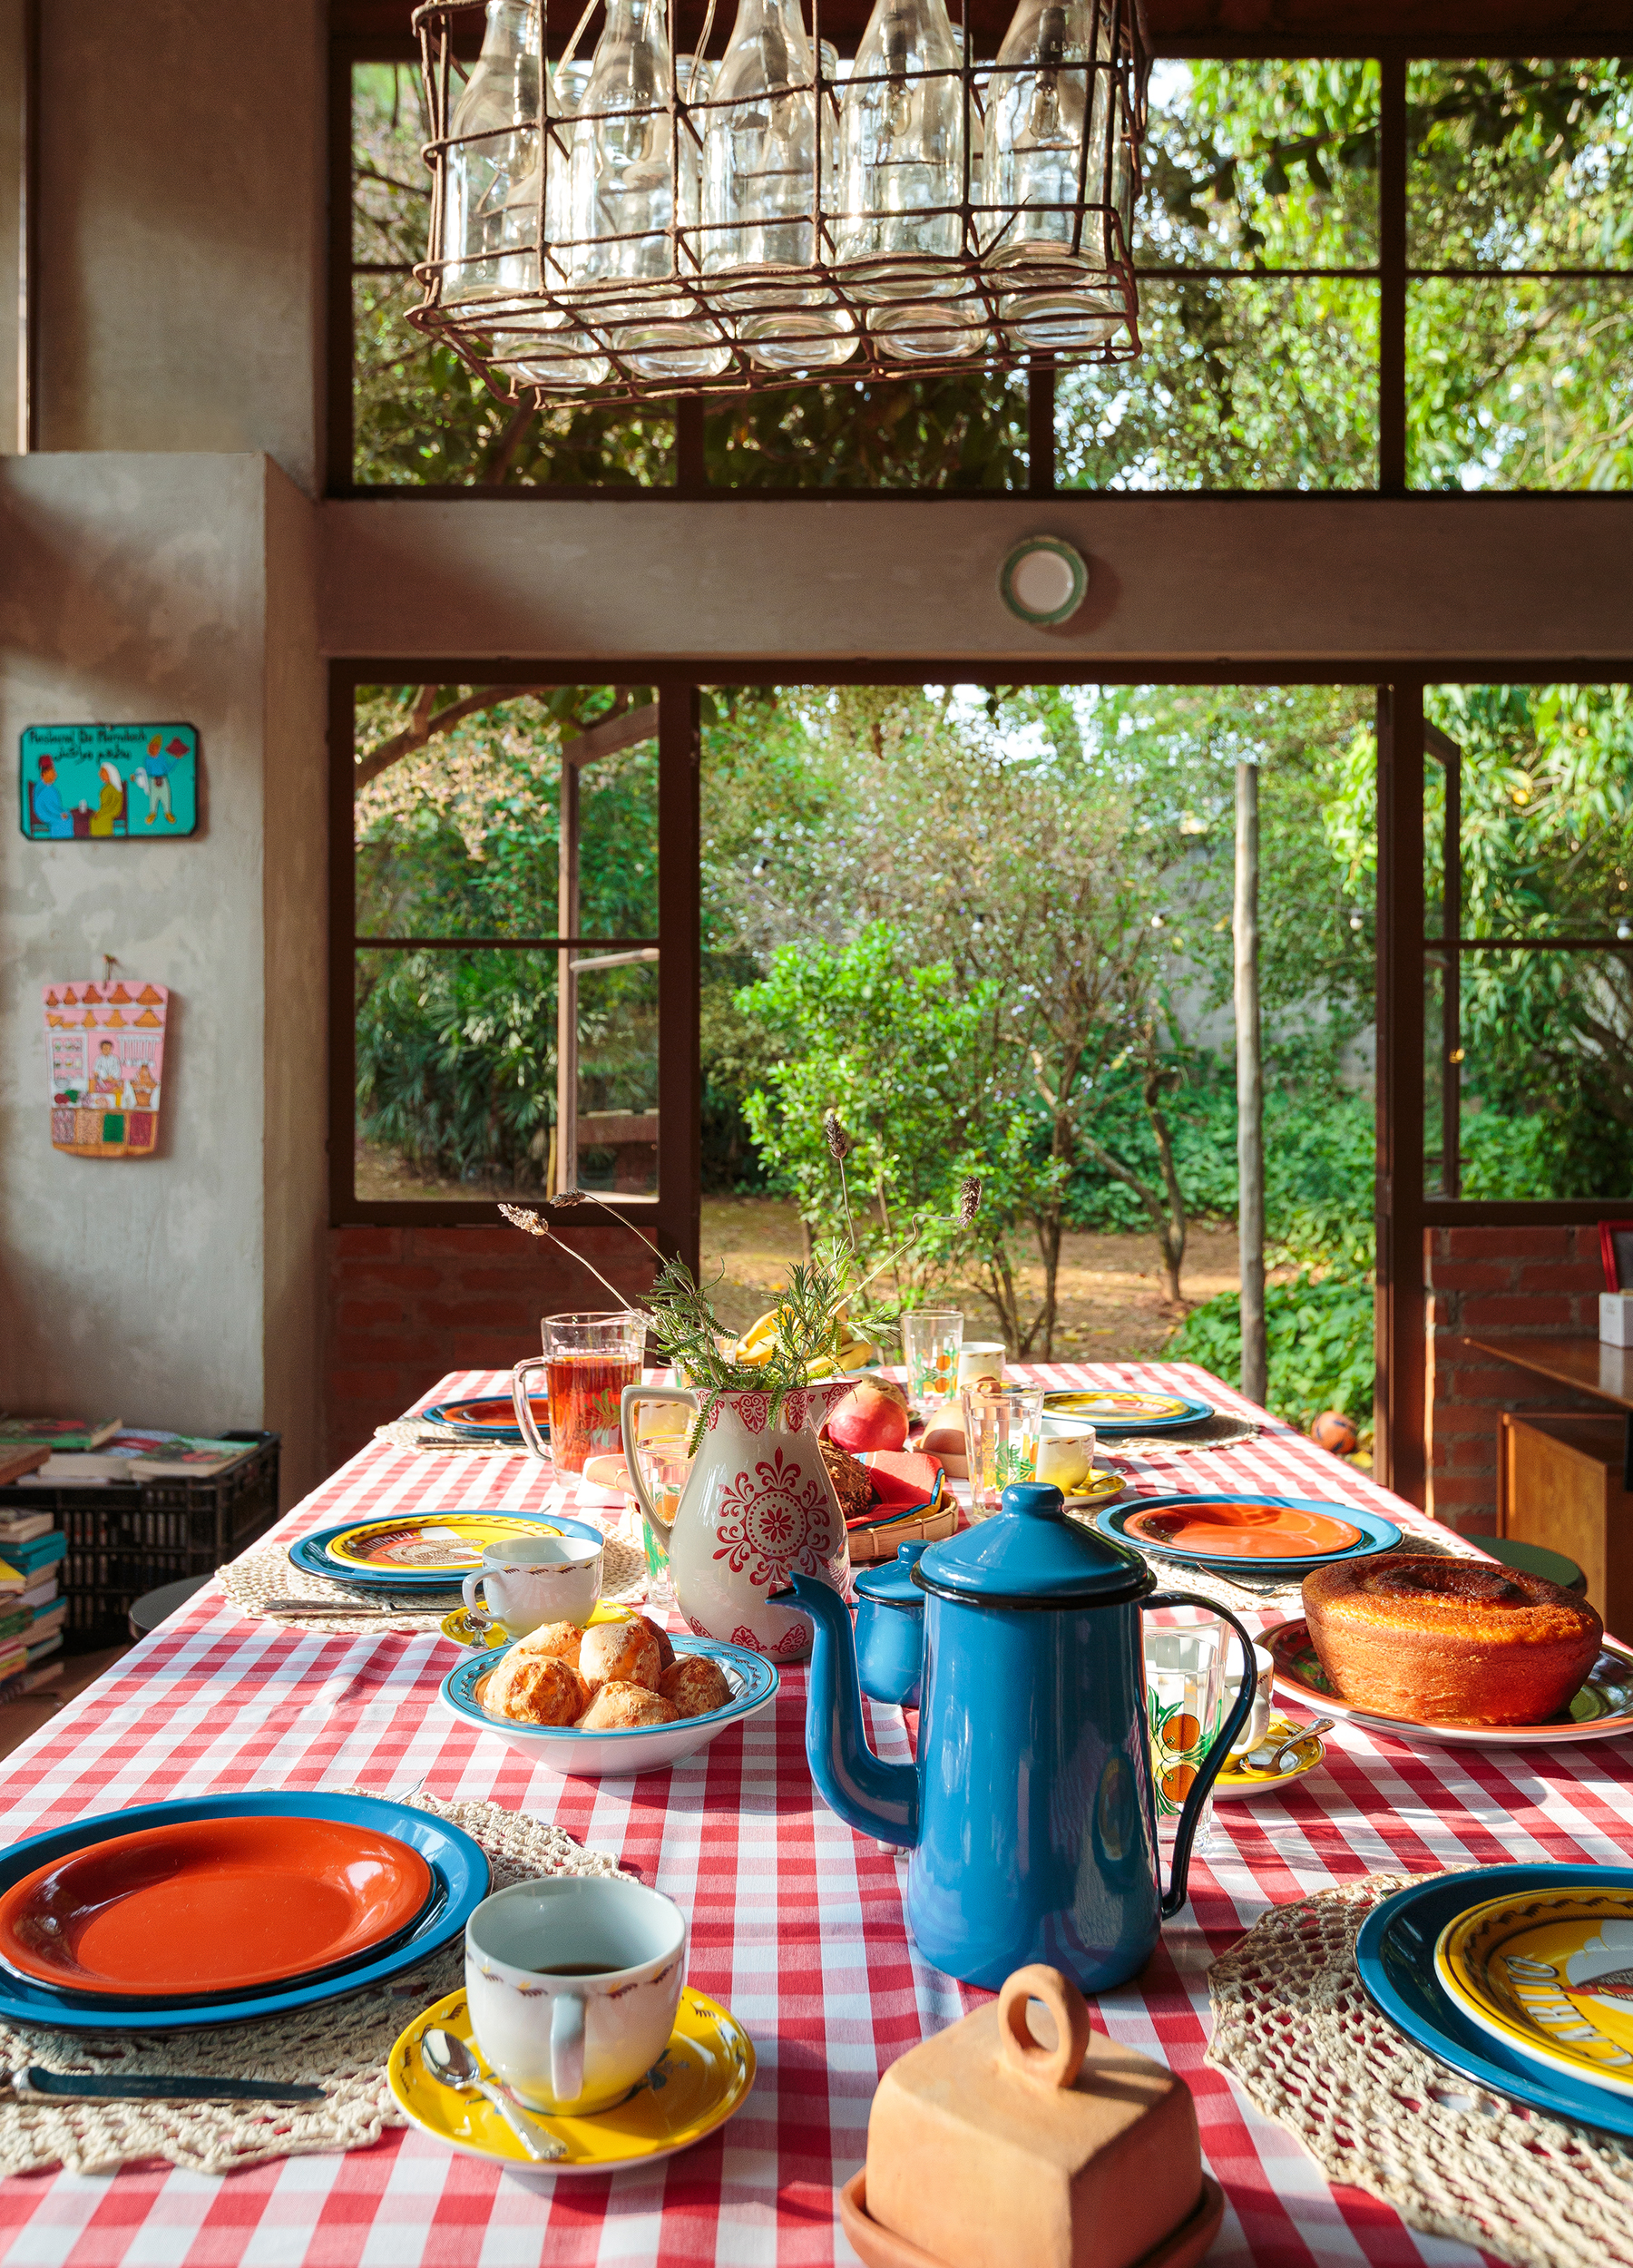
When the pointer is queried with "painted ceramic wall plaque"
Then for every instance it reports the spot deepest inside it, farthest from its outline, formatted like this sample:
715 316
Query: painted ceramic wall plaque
106 1049
119 783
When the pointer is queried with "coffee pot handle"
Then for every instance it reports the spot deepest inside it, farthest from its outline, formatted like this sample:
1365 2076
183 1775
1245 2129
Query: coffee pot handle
1208 1772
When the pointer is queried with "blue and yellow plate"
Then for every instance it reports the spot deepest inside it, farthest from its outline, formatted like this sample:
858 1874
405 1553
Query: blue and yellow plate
1115 1410
1394 1957
448 1546
1549 1973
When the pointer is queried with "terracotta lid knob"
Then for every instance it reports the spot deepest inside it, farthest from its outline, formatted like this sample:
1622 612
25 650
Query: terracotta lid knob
1024 2057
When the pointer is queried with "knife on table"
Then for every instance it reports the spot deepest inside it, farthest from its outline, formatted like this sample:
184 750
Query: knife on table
38 2084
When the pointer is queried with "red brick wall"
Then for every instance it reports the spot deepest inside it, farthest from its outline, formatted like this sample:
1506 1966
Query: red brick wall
406 1305
1496 1284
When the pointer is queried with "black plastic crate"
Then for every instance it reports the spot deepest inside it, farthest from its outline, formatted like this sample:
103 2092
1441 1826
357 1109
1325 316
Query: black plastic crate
127 1536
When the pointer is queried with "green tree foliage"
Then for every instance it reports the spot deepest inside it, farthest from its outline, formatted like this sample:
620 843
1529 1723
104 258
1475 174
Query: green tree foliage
1320 1341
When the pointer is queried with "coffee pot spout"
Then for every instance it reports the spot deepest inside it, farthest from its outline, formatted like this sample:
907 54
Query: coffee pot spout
874 1798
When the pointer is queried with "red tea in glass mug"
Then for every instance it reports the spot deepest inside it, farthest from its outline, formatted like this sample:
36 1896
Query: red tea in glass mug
588 1360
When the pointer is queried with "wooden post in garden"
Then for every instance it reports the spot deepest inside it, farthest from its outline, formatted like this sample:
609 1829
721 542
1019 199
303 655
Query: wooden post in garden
1250 1085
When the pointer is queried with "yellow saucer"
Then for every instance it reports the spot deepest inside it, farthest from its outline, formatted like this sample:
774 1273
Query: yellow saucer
1549 1973
1103 1485
463 1627
701 2079
1239 1779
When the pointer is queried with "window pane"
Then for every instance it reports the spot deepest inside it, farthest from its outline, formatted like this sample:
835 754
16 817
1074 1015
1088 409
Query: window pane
1437 1072
421 414
617 1074
918 433
1261 164
455 1078
1268 383
1546 775
1516 383
1520 165
1548 1074
461 838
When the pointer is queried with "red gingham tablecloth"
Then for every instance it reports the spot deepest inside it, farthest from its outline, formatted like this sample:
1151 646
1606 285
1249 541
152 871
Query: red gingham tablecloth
797 1922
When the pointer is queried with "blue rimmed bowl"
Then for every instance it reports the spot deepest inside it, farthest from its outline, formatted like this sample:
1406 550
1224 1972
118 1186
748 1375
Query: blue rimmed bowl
1376 1533
628 1749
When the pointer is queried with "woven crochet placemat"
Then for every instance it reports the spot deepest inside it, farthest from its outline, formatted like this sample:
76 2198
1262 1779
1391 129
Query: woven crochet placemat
419 1434
252 1582
1218 1431
1294 2027
341 2047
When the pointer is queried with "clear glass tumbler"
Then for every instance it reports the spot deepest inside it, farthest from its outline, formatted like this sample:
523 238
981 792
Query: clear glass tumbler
931 1338
1186 1700
660 1430
1002 1430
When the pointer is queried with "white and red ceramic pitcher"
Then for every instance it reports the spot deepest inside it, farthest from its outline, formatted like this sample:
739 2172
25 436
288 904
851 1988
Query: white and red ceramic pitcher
757 1508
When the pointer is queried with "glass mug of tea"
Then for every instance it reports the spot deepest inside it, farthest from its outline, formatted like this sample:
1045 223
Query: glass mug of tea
588 1360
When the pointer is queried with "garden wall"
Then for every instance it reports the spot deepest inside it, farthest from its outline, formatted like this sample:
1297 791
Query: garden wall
407 1304
1496 1284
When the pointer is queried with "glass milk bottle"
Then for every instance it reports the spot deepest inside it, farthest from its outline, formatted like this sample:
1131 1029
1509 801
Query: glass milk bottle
500 105
901 156
622 188
759 182
1054 90
568 359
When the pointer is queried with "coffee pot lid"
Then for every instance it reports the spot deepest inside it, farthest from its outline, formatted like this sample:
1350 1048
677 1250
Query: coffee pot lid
1028 1554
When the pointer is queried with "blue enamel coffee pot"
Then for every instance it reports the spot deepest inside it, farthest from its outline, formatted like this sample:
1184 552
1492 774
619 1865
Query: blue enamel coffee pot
1029 1811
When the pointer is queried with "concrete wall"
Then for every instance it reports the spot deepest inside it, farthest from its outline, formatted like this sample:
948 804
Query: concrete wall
181 171
176 1290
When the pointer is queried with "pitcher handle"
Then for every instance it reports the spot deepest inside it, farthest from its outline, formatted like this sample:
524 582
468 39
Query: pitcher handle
523 1404
628 1402
1209 1770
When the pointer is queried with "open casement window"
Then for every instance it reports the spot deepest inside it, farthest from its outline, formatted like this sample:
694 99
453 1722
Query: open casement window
503 981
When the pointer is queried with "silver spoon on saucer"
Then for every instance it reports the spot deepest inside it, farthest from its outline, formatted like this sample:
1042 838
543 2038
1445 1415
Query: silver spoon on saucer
449 2060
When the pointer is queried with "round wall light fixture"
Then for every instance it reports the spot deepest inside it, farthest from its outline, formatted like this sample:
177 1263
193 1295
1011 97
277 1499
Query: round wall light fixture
1044 580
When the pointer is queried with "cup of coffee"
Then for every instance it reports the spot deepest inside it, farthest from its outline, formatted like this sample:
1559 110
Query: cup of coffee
572 1984
533 1579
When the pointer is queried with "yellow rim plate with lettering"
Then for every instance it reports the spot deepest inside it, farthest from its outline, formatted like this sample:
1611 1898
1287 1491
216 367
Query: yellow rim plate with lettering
429 1543
701 2079
1550 1975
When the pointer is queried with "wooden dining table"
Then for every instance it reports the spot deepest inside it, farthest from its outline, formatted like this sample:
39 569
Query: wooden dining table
797 1922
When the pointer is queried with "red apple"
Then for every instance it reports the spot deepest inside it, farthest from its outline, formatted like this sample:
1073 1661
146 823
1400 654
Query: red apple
872 1415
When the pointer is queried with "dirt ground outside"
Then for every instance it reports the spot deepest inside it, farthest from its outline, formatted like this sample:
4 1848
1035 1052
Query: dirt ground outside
1112 1307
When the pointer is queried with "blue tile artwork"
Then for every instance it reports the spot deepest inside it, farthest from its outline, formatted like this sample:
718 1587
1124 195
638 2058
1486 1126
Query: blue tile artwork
118 783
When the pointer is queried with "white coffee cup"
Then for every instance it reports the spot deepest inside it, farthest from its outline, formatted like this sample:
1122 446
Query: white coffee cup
981 1362
1066 1454
1258 1722
533 1579
572 1983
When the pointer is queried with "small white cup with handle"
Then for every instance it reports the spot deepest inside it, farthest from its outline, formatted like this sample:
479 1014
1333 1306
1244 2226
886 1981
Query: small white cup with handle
572 1983
529 1581
1258 1722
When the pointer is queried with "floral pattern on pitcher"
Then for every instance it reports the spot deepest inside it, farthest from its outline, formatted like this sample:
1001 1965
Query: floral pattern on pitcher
768 1524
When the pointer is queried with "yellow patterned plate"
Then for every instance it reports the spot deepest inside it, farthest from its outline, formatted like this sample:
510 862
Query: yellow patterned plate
472 1630
1240 1777
701 2079
432 1543
1550 1974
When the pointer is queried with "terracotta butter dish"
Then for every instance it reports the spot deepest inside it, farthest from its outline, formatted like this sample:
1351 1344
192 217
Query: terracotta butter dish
986 2147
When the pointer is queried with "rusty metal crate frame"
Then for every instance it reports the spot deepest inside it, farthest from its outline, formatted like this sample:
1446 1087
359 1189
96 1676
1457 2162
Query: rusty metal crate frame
474 328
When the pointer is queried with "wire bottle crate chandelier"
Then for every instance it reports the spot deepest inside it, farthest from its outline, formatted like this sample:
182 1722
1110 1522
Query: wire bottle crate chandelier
642 223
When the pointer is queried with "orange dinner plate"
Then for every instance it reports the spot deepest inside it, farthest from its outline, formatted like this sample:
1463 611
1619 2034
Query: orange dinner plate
210 1905
1242 1531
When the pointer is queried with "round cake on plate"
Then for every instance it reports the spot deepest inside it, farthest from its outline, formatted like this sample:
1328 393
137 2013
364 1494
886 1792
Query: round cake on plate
1444 1642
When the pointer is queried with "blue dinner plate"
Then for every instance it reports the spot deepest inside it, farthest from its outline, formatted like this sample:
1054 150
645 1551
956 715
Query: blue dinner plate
503 1429
1377 1534
459 1873
1057 1403
1394 1955
310 1554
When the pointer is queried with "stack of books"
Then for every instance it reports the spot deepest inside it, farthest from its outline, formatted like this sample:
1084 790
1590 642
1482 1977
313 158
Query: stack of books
31 1612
